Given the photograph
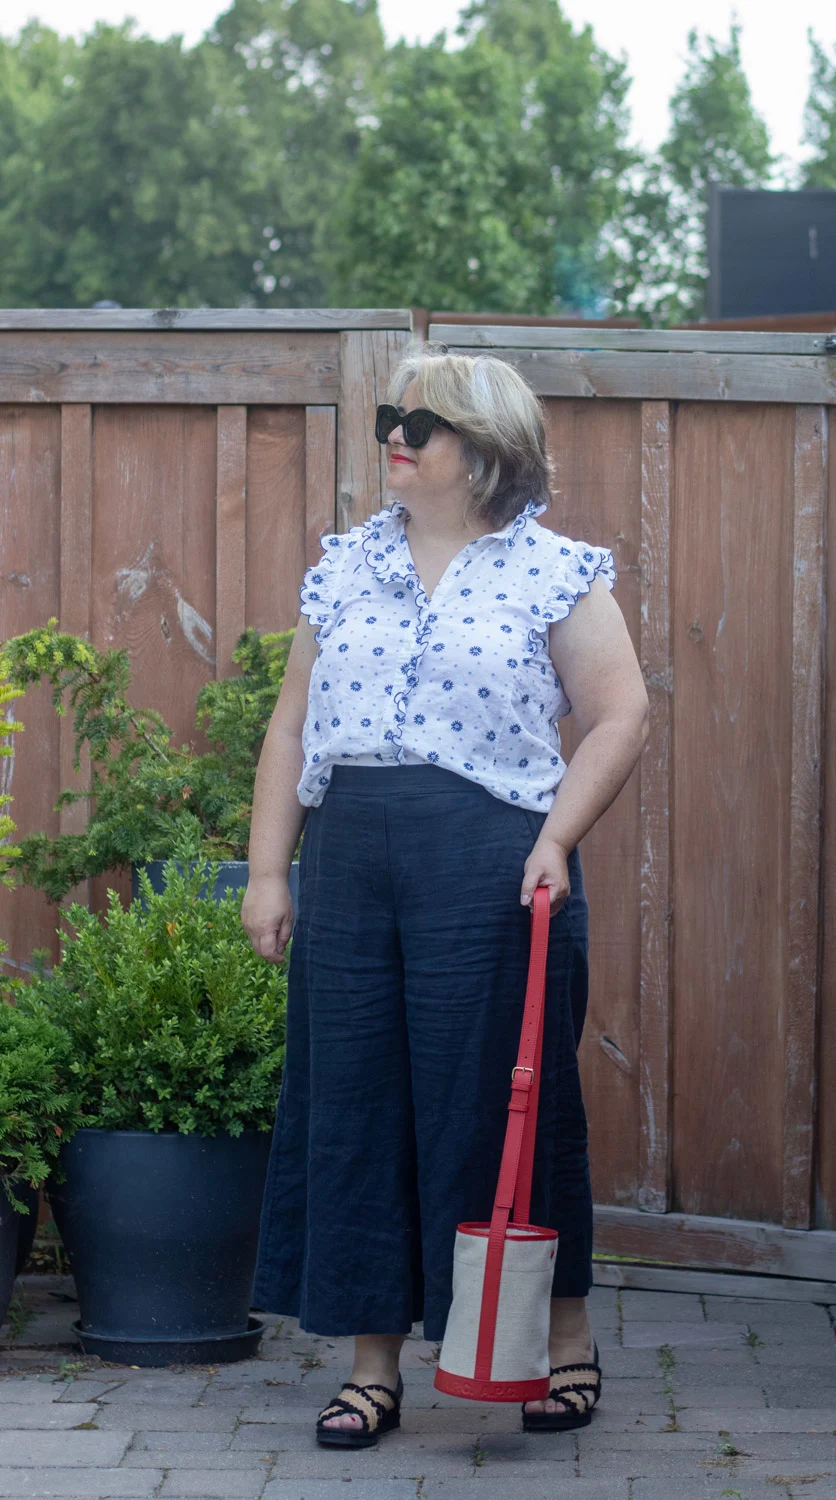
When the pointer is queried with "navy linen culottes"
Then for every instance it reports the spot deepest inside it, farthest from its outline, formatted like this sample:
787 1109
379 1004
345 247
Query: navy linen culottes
406 985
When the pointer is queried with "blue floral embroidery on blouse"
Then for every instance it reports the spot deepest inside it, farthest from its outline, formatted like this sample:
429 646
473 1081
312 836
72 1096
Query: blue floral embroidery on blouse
498 729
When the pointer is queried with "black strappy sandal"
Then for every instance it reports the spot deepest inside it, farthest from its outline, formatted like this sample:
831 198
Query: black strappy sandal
379 1412
575 1391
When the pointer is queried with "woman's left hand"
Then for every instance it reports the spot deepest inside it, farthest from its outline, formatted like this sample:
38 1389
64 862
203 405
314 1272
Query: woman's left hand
547 864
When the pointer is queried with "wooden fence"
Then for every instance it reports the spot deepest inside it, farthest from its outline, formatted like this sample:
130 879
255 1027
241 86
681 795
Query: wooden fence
165 478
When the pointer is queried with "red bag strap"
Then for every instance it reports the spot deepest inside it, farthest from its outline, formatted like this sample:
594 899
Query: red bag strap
513 1190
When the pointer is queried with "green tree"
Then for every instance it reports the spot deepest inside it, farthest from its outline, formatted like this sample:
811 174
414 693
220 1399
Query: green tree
490 170
820 120
715 136
127 174
308 71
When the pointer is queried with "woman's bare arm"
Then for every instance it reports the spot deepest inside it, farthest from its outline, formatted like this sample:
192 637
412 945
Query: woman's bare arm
278 816
594 658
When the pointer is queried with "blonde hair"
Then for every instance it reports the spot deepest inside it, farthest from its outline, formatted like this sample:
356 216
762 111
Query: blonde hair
499 418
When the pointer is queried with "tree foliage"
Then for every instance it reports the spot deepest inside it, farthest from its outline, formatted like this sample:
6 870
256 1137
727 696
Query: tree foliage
820 119
128 174
497 199
308 72
715 135
291 158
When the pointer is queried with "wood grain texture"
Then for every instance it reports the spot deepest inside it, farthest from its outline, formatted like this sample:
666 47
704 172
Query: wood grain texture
153 559
712 1283
732 662
627 340
808 649
596 448
30 584
715 1243
366 362
670 377
320 478
276 526
218 319
656 895
825 1149
230 534
194 368
75 594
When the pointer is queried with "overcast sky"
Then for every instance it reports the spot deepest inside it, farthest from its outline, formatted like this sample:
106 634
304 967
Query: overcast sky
651 32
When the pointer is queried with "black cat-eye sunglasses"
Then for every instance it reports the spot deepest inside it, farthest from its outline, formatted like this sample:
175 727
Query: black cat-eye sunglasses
417 426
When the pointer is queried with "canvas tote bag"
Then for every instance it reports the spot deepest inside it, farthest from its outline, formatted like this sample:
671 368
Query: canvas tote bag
496 1342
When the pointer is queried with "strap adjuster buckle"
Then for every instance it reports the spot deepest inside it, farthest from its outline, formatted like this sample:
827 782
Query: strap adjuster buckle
520 1069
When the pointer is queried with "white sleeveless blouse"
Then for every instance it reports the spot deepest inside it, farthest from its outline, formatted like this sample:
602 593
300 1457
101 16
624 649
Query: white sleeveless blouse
462 680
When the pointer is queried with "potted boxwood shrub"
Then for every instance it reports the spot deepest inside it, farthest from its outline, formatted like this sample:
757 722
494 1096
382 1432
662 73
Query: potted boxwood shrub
148 795
176 1031
39 1110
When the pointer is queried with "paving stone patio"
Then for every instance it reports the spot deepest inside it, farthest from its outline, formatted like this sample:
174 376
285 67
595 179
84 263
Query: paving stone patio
703 1397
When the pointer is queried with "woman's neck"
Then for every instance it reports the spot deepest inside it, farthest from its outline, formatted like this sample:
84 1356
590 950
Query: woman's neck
442 529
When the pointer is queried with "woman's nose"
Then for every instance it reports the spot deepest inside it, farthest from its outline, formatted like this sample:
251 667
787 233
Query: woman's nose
396 436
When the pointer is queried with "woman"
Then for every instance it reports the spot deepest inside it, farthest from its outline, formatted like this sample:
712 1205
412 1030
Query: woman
416 733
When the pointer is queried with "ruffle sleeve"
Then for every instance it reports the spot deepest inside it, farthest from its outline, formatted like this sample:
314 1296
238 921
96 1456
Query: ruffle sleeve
574 567
580 564
319 595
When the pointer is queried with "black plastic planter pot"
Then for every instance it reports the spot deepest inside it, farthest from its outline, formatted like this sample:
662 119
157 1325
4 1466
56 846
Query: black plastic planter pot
233 875
162 1233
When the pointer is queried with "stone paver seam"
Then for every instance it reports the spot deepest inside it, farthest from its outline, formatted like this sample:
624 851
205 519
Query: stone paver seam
704 1307
619 1307
753 1342
667 1365
131 1447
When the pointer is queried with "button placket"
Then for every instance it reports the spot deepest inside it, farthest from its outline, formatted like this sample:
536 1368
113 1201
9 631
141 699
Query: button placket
426 617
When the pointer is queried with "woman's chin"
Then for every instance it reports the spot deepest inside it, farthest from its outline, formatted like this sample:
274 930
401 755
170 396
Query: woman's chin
397 476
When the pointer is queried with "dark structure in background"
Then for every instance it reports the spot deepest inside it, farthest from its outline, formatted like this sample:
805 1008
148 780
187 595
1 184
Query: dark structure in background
771 252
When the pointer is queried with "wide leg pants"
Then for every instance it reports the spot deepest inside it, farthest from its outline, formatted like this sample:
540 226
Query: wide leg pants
406 984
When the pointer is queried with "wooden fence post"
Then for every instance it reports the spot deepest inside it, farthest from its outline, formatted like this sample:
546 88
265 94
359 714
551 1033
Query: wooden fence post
808 650
656 914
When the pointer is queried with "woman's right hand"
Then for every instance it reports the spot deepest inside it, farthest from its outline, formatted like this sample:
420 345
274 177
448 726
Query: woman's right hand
267 915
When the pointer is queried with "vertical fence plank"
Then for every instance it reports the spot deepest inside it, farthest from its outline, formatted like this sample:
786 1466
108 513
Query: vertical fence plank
731 642
596 449
231 534
656 914
75 594
30 545
825 1152
809 502
320 477
276 474
366 362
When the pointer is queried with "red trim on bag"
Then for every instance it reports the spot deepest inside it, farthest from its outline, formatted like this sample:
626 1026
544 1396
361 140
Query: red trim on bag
518 1150
529 1231
491 1390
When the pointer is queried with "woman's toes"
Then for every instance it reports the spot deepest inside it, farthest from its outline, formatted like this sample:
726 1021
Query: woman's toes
535 1406
344 1421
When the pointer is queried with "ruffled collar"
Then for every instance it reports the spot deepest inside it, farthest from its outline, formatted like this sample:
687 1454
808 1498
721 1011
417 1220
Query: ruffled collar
386 549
